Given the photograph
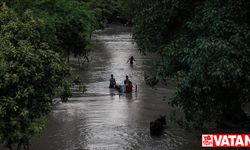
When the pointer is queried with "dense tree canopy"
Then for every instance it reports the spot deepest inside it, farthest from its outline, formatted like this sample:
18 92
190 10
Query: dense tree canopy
30 73
109 11
68 24
205 46
34 35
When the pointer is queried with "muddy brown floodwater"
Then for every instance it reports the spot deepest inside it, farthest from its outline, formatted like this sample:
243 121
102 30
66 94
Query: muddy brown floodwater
101 119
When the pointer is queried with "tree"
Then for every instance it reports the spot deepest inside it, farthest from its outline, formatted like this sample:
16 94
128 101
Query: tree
30 73
67 24
108 11
75 24
204 46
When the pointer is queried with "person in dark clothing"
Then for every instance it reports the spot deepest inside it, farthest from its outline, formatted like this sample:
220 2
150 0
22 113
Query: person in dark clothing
131 60
126 81
112 82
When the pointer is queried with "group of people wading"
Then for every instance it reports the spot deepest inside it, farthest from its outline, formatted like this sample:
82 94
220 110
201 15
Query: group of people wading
128 86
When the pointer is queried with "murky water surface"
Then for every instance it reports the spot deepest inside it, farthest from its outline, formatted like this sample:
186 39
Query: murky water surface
104 120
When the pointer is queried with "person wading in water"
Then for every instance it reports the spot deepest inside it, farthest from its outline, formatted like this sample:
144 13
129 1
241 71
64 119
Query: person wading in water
131 60
128 85
112 82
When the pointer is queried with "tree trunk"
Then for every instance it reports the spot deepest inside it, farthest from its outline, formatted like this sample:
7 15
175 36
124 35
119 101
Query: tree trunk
233 116
9 146
232 113
19 146
68 56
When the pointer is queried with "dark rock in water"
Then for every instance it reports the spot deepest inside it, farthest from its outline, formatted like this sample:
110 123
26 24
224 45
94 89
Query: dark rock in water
157 126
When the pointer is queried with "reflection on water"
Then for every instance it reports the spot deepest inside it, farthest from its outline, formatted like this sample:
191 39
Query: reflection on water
102 118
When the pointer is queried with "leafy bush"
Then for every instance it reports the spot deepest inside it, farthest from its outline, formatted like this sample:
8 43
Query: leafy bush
30 73
204 46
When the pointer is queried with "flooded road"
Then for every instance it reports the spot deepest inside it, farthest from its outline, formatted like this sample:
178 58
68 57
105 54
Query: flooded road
102 119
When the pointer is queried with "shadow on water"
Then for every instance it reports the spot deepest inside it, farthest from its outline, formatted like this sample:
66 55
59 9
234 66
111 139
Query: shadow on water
102 118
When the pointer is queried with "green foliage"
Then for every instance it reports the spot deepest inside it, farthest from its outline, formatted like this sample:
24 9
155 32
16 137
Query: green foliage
109 11
74 24
66 92
78 82
29 74
68 24
34 34
204 45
